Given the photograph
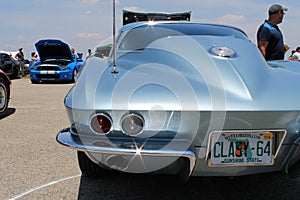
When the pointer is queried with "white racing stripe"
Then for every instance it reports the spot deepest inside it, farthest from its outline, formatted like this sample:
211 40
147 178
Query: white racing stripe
43 72
43 186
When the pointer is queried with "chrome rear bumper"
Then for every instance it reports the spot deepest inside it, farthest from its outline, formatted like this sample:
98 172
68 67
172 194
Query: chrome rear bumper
100 151
136 157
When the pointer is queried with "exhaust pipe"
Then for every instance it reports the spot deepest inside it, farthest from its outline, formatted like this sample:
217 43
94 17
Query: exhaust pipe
117 162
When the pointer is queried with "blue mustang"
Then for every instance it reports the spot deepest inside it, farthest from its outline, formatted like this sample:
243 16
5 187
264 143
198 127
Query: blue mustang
57 63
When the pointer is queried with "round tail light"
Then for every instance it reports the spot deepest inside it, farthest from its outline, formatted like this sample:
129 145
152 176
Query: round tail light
132 124
100 123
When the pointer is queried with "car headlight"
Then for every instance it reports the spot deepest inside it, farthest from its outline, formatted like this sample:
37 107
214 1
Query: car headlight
65 67
132 124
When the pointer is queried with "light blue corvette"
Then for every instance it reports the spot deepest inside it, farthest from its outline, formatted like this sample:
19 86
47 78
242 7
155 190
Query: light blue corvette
186 98
57 63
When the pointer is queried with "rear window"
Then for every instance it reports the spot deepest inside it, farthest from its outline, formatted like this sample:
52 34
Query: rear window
140 37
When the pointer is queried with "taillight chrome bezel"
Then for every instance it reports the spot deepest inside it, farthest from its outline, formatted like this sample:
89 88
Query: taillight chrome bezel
138 129
95 118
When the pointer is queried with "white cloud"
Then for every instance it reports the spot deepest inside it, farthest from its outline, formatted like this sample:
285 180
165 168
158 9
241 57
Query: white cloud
231 19
95 36
88 12
41 1
134 9
90 1
20 37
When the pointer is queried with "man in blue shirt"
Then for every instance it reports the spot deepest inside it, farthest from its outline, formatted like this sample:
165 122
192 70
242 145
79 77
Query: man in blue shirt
269 37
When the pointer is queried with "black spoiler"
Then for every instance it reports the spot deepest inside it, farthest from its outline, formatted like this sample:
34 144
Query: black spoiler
130 16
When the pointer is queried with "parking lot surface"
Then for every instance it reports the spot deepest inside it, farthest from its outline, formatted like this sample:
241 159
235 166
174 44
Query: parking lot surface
34 166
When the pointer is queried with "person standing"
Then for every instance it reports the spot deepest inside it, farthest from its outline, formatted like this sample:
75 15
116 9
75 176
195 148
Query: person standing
296 54
20 57
89 54
291 56
74 54
269 37
34 57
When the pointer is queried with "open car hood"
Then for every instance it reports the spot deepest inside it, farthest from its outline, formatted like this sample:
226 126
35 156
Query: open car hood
53 49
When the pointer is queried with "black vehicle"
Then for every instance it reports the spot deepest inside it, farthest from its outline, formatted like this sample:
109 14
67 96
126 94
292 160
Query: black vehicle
9 65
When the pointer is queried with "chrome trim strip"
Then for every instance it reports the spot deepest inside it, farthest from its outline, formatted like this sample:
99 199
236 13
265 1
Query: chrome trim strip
280 144
64 137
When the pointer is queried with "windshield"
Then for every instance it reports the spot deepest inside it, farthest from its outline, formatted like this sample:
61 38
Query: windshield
140 37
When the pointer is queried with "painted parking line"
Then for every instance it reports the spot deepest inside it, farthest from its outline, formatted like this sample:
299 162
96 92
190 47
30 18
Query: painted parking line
43 186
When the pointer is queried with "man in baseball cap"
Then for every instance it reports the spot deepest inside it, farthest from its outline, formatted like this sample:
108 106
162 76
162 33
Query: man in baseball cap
277 8
269 37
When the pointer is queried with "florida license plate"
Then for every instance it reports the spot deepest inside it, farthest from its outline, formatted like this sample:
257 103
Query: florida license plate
241 148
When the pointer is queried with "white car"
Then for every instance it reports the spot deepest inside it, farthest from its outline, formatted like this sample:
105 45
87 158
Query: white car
186 98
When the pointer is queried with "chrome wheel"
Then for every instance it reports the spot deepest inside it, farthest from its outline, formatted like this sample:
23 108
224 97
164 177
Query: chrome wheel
3 96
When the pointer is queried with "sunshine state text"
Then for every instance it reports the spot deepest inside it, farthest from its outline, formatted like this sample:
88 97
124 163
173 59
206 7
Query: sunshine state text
241 160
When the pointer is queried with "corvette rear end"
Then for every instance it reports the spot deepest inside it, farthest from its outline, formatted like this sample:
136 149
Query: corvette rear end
193 99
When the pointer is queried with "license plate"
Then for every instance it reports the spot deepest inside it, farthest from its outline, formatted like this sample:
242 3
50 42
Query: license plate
241 148
47 79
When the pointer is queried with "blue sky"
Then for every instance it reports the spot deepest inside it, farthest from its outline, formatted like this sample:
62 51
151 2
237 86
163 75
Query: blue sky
86 24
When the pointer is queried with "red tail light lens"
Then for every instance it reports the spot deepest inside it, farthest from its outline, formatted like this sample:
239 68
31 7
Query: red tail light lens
100 123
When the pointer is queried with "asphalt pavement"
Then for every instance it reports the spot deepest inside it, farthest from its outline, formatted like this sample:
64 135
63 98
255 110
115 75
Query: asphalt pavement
34 166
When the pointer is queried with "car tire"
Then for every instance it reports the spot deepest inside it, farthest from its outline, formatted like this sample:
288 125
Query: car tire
184 173
75 73
88 167
4 96
16 73
34 82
